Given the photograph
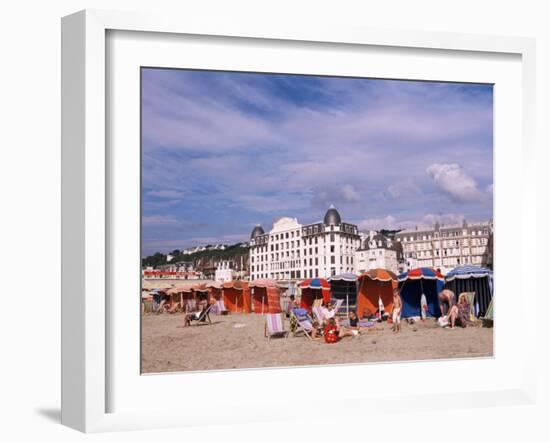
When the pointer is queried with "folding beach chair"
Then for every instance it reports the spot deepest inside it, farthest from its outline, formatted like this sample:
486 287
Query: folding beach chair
274 326
338 305
301 321
201 317
317 302
318 313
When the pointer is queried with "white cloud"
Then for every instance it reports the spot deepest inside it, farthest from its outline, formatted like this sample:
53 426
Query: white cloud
350 194
452 180
402 188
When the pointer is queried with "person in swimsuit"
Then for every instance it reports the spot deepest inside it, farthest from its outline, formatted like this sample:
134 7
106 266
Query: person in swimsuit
396 312
353 328
446 302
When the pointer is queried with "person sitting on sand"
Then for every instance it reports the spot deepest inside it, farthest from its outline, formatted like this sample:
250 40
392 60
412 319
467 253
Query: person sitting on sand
460 313
446 301
396 312
353 328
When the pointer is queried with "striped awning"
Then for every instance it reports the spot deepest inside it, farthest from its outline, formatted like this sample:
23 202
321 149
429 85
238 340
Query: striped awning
421 273
468 271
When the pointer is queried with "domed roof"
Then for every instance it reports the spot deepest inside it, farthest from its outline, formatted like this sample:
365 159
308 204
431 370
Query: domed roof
332 216
256 231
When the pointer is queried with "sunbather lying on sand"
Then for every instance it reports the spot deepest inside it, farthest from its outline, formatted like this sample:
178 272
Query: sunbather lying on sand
353 328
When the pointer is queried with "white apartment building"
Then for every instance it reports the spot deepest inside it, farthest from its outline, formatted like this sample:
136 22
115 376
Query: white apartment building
445 247
292 251
377 252
224 272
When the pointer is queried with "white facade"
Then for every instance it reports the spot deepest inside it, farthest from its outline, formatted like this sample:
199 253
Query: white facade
224 272
292 251
377 252
445 247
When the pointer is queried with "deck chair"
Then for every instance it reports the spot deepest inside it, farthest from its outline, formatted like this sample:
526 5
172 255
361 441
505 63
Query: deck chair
318 313
301 321
200 317
317 302
274 326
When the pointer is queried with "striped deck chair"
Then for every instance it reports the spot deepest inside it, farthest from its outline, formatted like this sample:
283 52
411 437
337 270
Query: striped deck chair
318 313
274 326
301 321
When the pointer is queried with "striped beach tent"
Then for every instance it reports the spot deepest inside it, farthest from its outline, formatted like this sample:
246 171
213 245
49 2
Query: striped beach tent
344 287
413 284
312 289
236 296
375 287
471 278
266 296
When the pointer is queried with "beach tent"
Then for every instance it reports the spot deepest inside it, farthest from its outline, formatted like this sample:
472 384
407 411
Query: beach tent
182 294
214 290
344 286
266 296
312 289
414 283
236 296
375 286
470 278
200 291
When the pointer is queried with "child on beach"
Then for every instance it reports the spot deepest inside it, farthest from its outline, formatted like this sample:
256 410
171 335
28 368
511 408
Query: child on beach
396 312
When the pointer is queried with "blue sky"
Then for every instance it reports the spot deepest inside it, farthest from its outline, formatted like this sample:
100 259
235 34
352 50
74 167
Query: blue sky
223 151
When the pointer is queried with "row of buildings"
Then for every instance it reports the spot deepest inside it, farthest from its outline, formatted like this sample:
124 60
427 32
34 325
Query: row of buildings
292 251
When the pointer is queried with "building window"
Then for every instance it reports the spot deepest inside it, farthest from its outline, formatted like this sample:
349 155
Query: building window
332 261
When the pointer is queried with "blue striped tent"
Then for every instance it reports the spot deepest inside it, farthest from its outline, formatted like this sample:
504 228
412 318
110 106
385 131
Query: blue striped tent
470 278
413 284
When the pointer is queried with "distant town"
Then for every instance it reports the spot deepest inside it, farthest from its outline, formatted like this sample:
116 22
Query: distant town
290 252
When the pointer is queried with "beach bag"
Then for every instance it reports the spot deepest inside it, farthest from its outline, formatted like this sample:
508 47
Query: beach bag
331 334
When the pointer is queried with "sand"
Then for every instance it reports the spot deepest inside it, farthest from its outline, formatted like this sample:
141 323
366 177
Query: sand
237 341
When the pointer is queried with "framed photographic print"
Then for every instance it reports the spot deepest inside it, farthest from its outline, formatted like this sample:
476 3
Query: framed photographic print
247 208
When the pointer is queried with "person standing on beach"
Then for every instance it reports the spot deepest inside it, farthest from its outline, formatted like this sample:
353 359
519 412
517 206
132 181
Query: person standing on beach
396 312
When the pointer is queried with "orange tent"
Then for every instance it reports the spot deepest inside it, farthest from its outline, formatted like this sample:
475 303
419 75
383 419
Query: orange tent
375 285
266 296
236 296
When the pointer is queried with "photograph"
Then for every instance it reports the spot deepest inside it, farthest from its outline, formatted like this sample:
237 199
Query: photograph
303 220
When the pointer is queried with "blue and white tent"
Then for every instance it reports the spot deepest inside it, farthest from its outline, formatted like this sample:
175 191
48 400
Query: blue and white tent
344 286
471 278
413 284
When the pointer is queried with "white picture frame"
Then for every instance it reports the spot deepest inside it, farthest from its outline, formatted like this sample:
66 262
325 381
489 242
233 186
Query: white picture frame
85 206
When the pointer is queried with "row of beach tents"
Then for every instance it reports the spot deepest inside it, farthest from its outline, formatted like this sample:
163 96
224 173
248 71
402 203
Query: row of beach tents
367 293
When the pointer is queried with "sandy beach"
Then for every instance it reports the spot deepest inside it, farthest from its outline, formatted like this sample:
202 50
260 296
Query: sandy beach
237 341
